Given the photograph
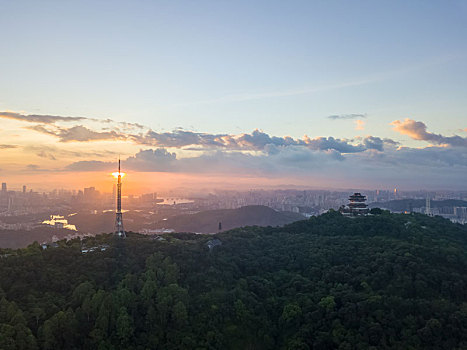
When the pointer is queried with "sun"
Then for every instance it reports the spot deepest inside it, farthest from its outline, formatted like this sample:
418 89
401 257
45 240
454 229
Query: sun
115 175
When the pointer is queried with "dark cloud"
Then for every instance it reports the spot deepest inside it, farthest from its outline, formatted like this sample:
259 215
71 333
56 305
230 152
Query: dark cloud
418 167
151 160
330 143
216 162
417 131
391 142
346 116
372 142
8 146
297 160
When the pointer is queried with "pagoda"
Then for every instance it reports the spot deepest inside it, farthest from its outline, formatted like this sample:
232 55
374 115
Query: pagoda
356 206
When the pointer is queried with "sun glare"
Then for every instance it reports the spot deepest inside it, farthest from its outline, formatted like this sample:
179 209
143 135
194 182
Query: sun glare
115 175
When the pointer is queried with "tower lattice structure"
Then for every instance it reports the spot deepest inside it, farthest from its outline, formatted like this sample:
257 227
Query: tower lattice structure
119 231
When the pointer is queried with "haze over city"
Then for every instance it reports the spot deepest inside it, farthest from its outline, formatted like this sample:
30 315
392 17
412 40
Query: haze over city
234 95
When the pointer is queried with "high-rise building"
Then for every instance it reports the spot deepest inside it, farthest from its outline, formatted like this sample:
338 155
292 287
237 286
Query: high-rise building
24 188
90 194
4 187
428 206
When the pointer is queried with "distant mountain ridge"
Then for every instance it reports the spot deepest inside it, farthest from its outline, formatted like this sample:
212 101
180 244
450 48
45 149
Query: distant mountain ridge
251 215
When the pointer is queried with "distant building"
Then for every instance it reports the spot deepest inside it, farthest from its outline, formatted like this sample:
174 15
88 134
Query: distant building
157 231
356 206
428 206
24 188
90 194
59 222
4 190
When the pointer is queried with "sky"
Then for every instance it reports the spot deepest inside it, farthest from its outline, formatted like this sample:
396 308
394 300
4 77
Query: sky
320 94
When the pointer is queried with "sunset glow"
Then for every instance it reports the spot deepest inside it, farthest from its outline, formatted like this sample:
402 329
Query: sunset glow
274 105
116 174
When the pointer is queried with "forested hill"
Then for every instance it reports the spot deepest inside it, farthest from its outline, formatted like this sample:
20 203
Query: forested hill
208 221
378 282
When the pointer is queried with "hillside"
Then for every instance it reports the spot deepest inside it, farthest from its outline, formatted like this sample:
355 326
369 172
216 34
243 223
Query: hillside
388 281
20 239
208 221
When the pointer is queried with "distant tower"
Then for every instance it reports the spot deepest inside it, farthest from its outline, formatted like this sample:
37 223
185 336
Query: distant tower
428 206
119 231
24 188
220 226
4 187
357 205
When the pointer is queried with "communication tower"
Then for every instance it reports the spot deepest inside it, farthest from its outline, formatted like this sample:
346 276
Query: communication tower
119 231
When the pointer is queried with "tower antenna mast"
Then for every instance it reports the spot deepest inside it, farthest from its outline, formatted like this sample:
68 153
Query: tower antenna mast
119 231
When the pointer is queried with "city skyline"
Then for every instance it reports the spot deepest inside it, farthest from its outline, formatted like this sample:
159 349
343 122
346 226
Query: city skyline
234 95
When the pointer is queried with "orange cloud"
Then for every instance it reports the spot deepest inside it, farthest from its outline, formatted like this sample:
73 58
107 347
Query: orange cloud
417 131
359 124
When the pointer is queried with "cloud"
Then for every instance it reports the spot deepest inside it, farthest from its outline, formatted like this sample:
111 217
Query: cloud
54 153
417 131
44 154
151 160
359 124
376 143
254 141
43 119
430 166
90 165
177 139
32 167
53 120
346 116
78 133
330 143
257 140
160 160
361 160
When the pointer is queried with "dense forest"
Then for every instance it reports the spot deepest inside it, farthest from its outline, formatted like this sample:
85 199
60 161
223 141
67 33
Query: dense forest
387 281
